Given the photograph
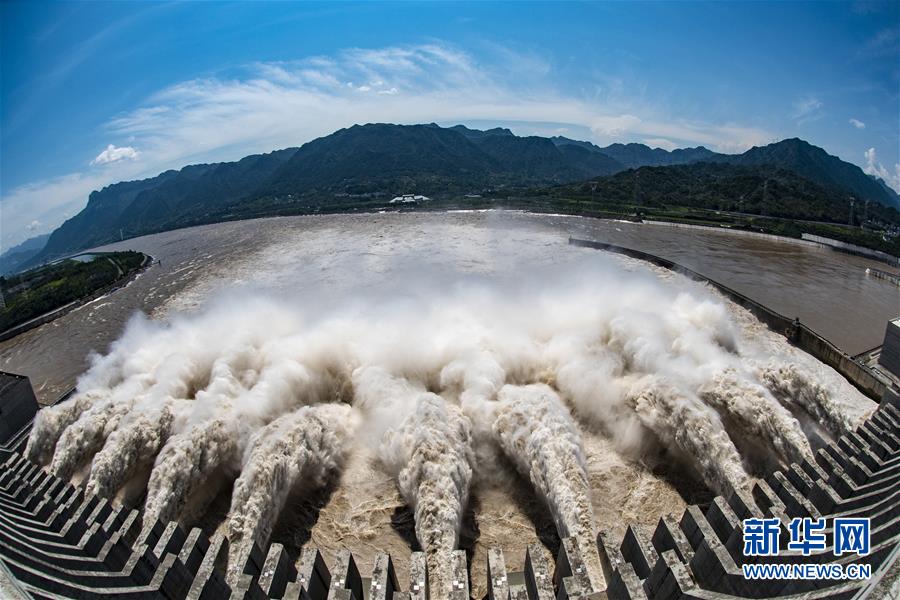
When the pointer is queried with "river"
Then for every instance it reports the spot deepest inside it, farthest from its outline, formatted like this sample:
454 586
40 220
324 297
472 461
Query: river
829 291
369 263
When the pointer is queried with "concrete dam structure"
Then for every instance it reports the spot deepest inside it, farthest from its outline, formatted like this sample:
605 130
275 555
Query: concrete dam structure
56 541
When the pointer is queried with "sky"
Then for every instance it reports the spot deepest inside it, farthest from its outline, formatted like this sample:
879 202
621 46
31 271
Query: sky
92 93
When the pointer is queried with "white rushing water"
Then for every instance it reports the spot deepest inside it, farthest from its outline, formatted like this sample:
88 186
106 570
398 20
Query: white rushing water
445 380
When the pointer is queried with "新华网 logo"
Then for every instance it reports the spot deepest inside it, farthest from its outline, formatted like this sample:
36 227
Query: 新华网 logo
807 536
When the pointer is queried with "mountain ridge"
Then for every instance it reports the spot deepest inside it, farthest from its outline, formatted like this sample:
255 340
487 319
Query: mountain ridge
817 165
377 160
21 253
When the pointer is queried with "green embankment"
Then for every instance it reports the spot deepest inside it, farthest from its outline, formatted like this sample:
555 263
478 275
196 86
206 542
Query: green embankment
36 292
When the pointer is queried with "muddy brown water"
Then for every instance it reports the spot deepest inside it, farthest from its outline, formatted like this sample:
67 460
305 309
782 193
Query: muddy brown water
316 260
829 291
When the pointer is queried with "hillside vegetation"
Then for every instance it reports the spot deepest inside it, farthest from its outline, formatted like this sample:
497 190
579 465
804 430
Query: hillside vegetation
39 291
763 198
364 166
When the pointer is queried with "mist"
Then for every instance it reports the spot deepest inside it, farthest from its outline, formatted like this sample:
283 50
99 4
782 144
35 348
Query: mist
446 381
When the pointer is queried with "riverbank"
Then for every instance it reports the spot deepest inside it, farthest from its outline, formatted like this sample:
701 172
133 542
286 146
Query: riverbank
543 203
829 291
861 376
124 279
809 239
795 231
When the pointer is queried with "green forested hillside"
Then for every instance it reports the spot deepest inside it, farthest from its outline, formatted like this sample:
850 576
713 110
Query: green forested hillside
364 166
762 197
33 293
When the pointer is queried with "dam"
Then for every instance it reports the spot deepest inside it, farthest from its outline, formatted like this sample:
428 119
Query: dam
476 412
57 541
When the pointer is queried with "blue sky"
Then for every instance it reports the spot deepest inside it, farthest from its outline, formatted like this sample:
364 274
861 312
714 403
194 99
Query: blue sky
92 93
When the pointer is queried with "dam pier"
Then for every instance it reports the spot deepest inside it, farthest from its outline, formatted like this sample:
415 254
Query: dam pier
58 541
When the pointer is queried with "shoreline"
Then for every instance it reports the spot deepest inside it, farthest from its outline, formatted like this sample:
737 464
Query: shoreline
54 314
574 225
867 253
861 376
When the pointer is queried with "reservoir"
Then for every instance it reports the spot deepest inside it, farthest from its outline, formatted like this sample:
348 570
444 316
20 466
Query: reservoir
829 291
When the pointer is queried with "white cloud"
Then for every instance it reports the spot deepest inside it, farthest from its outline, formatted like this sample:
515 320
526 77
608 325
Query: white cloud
661 143
615 125
40 207
41 202
807 109
285 104
857 123
282 104
873 167
113 154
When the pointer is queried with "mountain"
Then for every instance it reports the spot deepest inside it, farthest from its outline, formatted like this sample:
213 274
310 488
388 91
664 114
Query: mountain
815 164
12 259
591 160
380 157
427 159
634 156
537 158
477 134
363 161
756 189
134 208
364 165
540 157
564 142
887 190
793 154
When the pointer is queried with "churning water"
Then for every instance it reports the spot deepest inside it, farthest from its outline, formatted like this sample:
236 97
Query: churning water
395 381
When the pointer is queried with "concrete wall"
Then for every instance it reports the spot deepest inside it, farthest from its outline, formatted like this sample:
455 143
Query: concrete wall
859 375
730 230
800 335
17 404
890 351
879 274
853 249
807 239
